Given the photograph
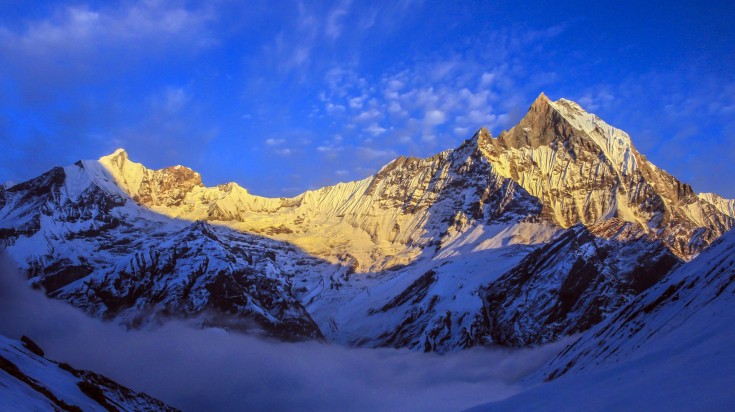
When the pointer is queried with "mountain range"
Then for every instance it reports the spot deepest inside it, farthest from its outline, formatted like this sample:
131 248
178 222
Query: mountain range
555 227
516 240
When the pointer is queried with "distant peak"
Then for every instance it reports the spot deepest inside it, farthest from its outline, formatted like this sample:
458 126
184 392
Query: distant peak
119 153
481 133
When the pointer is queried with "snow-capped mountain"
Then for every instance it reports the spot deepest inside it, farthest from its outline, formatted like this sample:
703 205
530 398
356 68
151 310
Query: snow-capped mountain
585 170
690 303
30 382
668 349
554 224
572 282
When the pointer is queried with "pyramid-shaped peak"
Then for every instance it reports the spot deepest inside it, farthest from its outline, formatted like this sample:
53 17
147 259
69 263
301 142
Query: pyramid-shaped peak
542 98
541 102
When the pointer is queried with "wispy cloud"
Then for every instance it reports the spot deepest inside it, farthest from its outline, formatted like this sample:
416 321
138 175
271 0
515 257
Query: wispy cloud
274 142
442 95
333 27
74 30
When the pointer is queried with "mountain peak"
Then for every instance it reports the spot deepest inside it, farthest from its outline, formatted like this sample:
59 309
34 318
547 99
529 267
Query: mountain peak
482 134
542 98
540 104
119 152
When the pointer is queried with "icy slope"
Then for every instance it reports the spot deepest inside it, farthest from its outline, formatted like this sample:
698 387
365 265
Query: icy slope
30 382
726 206
669 349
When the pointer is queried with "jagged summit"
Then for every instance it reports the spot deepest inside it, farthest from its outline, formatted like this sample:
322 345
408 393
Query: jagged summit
541 99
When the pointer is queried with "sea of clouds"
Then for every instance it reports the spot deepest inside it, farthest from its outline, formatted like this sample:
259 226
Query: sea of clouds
214 370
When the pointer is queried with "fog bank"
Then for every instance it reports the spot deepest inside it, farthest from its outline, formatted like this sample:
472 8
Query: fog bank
213 370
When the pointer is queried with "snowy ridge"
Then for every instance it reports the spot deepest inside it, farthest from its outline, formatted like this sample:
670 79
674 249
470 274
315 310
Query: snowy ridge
726 206
29 381
615 143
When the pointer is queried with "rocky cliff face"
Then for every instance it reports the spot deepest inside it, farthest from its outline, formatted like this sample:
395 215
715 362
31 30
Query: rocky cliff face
517 240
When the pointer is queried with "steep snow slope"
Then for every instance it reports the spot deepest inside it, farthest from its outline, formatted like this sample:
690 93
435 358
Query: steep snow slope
690 301
726 206
669 349
572 283
30 382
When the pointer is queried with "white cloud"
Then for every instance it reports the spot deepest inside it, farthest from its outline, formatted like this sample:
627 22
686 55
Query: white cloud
434 117
334 108
76 29
274 142
356 102
367 115
333 27
486 79
442 96
172 100
375 129
428 138
329 149
594 101
461 131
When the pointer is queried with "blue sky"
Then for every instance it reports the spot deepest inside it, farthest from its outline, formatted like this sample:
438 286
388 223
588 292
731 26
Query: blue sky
284 96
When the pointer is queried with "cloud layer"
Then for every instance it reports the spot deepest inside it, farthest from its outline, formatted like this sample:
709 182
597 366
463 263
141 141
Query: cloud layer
217 371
